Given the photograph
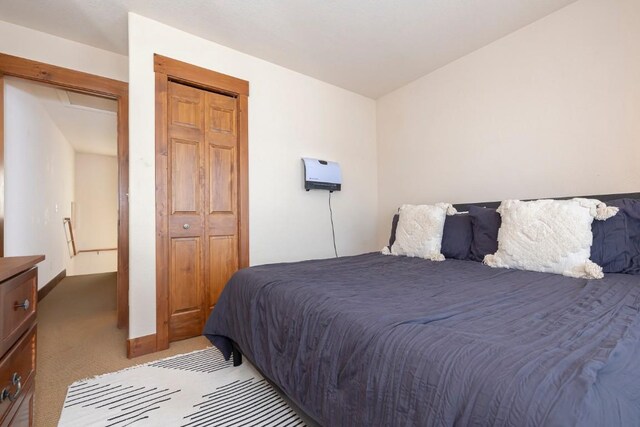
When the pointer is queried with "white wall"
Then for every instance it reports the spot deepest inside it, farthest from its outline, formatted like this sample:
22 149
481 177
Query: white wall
39 177
552 109
38 46
95 213
290 116
93 263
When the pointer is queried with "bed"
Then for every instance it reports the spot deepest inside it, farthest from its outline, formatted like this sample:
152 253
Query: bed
382 340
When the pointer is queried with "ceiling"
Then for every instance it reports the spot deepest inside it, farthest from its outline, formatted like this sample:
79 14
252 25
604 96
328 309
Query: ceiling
88 122
367 46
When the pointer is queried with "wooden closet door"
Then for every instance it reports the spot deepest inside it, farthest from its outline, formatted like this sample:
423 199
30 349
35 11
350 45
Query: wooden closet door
203 203
221 135
186 186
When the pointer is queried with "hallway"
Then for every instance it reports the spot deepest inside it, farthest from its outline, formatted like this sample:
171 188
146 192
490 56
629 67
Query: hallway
78 338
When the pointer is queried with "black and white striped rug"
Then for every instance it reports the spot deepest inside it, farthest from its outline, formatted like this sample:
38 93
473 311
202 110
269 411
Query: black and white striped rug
191 390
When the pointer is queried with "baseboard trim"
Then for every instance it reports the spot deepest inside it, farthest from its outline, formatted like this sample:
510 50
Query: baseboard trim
141 345
44 291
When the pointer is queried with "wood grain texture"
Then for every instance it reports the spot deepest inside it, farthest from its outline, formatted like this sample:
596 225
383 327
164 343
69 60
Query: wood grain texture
221 216
18 306
11 266
197 109
221 119
200 77
185 292
97 250
21 360
62 77
162 214
122 290
96 85
69 227
1 165
185 288
15 320
24 415
186 106
223 262
223 187
141 345
222 162
185 176
243 181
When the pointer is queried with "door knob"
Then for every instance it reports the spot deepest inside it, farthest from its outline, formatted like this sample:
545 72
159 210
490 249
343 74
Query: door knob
186 226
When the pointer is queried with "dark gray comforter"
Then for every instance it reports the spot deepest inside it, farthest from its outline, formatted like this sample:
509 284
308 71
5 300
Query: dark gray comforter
376 340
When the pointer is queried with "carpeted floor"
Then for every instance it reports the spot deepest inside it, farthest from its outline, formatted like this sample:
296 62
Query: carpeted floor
78 338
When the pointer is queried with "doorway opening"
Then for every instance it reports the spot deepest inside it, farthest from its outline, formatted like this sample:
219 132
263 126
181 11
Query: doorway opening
87 94
61 179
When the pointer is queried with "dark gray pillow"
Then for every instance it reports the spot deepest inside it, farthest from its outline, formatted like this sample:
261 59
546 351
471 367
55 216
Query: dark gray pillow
486 223
630 209
394 226
610 248
457 236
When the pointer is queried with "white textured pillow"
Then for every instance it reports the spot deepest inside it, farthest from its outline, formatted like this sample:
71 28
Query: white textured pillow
551 236
419 231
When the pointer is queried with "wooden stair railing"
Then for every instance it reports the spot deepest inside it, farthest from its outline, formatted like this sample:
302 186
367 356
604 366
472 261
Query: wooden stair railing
68 231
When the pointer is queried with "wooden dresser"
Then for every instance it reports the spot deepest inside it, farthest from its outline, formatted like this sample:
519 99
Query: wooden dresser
18 299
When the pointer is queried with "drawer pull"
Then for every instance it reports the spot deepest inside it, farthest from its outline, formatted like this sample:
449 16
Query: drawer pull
25 305
16 380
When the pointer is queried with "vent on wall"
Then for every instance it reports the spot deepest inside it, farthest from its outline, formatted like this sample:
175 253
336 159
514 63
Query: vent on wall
87 102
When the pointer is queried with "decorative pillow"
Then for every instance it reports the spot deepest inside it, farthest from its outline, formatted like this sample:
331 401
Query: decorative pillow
419 231
485 223
630 209
457 236
552 236
610 249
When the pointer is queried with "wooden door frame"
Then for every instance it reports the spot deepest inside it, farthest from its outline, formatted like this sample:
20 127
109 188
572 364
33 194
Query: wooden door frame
166 70
95 85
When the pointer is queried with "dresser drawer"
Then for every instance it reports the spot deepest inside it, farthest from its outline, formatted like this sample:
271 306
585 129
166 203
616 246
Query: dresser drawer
17 372
23 413
18 298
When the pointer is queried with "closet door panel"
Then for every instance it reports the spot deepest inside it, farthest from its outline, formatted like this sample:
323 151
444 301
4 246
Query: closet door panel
223 262
222 180
185 290
185 176
186 210
222 195
203 203
222 119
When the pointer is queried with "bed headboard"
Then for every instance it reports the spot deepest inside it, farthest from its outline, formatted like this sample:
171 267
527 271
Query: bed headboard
602 197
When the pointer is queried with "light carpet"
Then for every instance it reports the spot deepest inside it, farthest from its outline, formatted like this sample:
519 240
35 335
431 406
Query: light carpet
78 338
195 389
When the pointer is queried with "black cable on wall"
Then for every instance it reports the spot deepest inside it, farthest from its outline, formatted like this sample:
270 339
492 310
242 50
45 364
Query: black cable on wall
333 230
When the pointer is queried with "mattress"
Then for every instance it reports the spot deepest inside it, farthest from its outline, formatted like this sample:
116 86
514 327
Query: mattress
382 340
